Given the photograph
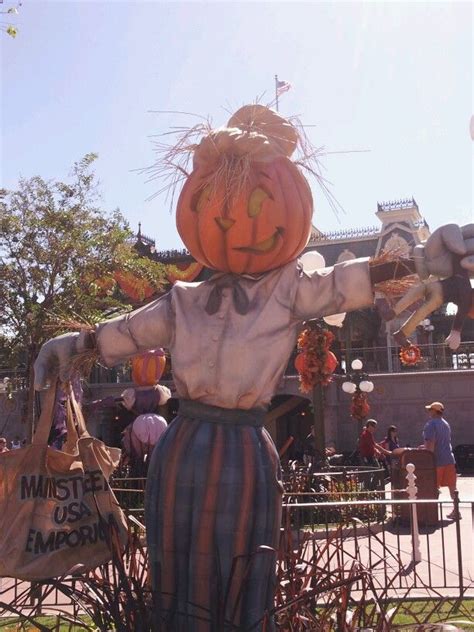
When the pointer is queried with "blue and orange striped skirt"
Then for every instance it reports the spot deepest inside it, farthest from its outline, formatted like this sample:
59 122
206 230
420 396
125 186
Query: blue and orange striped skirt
213 513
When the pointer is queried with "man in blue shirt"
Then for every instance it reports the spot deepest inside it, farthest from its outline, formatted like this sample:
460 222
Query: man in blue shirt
437 437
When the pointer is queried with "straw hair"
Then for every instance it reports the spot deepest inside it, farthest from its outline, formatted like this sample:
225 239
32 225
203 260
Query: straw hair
393 288
255 133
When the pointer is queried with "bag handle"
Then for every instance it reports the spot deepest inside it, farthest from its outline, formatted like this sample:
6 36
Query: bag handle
72 438
43 427
74 411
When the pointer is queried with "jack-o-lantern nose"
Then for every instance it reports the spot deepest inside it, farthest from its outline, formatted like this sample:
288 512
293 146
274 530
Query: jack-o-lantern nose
224 222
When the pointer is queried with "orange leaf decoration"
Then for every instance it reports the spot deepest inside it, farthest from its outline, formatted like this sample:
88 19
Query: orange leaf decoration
360 407
134 287
315 363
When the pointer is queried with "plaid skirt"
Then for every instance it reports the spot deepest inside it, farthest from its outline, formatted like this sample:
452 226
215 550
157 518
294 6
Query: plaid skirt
213 513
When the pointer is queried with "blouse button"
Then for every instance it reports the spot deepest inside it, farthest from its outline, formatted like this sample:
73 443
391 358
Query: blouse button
221 316
215 338
211 364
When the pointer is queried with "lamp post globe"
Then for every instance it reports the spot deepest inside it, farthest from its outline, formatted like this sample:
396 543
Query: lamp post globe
349 387
366 386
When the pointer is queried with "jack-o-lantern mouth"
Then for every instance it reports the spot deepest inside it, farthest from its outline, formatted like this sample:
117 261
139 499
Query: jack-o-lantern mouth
265 246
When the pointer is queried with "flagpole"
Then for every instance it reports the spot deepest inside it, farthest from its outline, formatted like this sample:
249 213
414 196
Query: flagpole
276 92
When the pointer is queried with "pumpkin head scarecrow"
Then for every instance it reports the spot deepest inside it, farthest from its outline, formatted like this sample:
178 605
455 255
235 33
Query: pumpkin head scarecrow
213 502
246 207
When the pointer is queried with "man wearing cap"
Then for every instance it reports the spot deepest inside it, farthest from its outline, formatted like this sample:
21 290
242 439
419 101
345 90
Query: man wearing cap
437 437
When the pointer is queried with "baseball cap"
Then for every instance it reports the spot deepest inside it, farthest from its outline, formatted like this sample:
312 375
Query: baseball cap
438 406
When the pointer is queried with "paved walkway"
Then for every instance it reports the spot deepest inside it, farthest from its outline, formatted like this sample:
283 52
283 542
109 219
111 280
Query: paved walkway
388 551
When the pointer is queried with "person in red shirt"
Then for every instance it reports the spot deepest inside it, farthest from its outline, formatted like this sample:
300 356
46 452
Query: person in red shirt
369 450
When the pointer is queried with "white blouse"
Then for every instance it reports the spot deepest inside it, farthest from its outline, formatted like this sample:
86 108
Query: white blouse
230 359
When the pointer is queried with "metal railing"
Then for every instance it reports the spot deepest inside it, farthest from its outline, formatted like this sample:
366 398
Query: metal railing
373 532
435 357
375 524
334 535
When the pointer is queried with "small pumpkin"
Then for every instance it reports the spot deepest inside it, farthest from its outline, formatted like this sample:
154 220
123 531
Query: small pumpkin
301 362
330 363
148 367
246 207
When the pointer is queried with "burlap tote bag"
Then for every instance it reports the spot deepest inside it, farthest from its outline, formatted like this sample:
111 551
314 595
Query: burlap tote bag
57 511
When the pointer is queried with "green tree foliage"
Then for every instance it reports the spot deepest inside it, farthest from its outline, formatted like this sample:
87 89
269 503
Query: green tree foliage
58 254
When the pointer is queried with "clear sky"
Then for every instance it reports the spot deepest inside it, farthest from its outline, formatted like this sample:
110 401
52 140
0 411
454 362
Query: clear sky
394 78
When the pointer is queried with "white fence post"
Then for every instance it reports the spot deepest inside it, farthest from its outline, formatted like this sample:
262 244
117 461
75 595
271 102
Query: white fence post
412 490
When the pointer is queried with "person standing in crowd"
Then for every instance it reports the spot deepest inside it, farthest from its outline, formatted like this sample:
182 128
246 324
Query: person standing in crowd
16 443
391 440
369 450
3 445
390 443
437 438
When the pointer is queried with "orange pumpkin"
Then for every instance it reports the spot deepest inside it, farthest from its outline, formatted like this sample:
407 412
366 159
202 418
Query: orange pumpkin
300 362
331 363
148 367
246 207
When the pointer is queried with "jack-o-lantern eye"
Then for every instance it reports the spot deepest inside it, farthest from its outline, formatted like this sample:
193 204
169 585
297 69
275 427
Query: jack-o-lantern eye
256 199
200 199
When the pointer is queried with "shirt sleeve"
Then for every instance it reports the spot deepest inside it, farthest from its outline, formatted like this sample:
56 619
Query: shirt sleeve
342 288
149 327
429 431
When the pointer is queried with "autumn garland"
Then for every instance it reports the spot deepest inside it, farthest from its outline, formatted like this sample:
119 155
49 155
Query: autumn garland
315 363
360 407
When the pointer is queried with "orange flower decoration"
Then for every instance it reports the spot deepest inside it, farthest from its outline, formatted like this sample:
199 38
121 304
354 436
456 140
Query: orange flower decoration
410 355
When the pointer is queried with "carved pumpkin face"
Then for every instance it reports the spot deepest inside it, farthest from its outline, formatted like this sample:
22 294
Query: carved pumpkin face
263 226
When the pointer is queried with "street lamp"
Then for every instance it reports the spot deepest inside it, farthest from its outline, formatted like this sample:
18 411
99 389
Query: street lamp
427 329
358 385
357 380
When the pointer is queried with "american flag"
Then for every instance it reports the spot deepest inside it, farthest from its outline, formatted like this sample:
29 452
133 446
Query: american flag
282 86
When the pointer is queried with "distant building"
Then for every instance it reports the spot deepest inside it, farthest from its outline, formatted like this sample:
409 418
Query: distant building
402 227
